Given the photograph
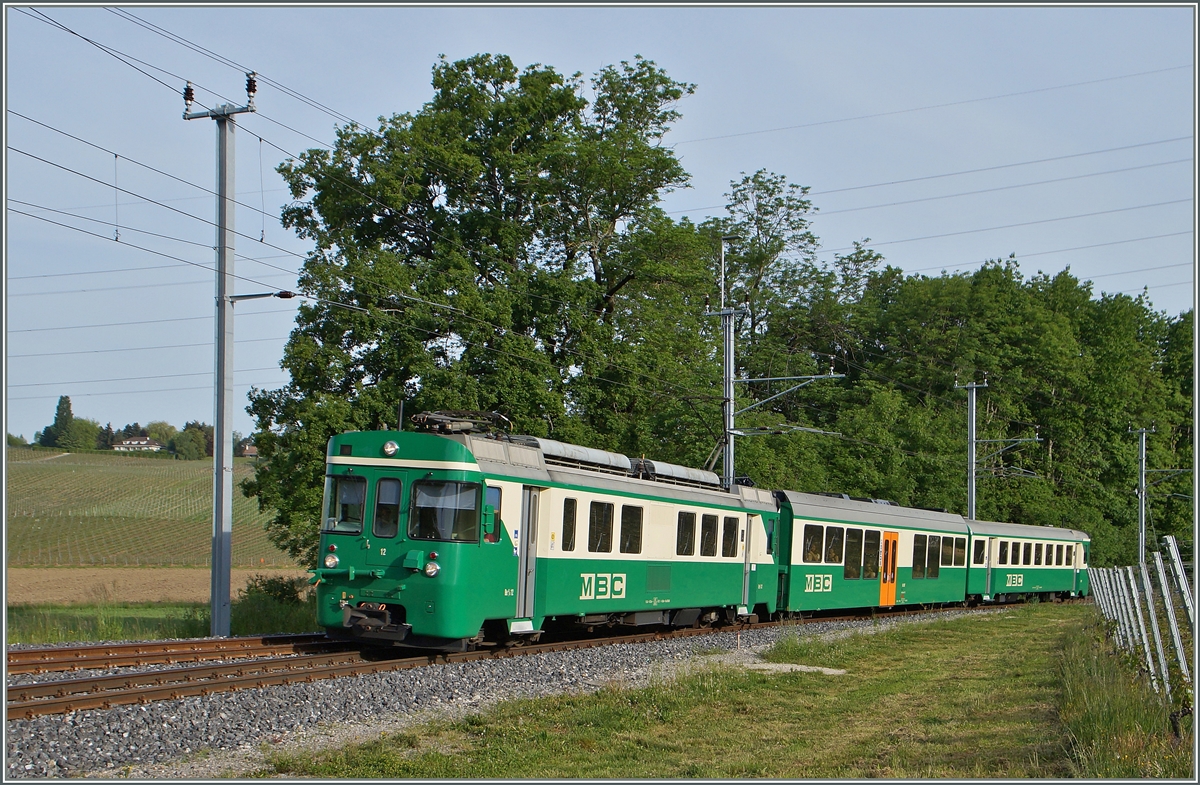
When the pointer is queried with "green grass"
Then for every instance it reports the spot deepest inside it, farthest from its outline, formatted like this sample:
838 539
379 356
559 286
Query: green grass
253 612
971 697
110 509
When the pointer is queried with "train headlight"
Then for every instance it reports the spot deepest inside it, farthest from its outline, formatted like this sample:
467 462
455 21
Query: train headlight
331 560
389 449
432 568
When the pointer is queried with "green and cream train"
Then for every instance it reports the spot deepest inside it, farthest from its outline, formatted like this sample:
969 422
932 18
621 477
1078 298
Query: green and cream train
447 539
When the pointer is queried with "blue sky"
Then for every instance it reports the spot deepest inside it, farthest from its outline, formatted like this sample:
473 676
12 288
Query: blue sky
1082 118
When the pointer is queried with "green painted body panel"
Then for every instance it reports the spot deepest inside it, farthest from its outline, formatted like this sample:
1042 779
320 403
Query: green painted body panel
829 589
570 587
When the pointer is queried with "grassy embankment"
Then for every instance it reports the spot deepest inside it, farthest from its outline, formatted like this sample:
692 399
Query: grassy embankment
1004 695
110 509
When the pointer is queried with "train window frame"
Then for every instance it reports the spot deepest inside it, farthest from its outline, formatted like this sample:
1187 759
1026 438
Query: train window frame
873 564
947 552
708 534
1058 555
729 537
1037 554
835 544
488 491
960 549
920 542
631 529
569 524
852 571
933 561
1027 553
1002 553
600 523
334 484
979 551
394 528
812 548
690 541
1070 555
467 525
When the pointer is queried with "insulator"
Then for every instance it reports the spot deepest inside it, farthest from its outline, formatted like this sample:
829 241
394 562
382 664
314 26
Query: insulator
251 83
189 95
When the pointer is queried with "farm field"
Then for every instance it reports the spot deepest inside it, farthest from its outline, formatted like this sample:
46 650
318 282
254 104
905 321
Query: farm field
114 510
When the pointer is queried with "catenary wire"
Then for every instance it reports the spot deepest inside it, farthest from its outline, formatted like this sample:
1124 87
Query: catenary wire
142 348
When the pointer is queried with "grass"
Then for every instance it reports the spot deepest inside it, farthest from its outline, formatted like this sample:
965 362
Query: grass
259 609
969 697
111 509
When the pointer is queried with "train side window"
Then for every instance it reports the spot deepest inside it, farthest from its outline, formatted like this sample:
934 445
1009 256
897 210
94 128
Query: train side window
729 537
444 510
1083 558
569 508
631 529
1058 555
853 568
492 496
1070 554
769 523
708 535
833 544
870 569
1037 554
1003 552
960 551
346 499
980 551
1028 554
600 522
685 534
931 566
387 508
918 567
947 551
813 537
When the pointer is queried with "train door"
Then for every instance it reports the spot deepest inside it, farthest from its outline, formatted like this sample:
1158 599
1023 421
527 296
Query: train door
887 572
527 552
384 536
747 532
987 567
1075 569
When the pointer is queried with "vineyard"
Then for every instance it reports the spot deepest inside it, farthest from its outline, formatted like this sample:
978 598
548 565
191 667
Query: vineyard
112 509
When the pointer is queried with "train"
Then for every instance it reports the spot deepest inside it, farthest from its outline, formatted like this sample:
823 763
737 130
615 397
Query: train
455 535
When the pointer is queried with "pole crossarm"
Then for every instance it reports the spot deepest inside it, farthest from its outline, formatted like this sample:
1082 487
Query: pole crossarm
779 430
807 380
1011 444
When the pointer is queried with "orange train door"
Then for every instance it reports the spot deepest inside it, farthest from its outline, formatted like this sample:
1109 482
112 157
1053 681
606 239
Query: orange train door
887 574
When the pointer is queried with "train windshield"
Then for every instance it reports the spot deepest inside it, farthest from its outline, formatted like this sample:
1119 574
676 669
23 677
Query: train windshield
345 500
445 511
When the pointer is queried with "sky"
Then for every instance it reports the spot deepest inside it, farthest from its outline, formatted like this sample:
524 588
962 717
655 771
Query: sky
948 136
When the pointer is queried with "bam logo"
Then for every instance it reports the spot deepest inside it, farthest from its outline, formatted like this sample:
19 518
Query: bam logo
602 586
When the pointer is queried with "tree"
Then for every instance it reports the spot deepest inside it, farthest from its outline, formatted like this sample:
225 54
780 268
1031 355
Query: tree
205 430
15 441
81 434
130 431
62 422
107 438
161 432
189 444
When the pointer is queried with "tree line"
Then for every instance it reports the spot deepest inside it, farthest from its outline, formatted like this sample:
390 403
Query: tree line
503 249
68 432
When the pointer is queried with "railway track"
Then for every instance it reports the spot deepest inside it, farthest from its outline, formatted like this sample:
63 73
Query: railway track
268 661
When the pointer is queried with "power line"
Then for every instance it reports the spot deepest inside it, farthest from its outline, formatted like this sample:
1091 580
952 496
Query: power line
128 324
137 378
51 396
1061 250
938 106
142 348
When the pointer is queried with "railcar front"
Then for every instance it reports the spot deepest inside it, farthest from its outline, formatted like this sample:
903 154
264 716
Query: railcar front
1010 561
409 554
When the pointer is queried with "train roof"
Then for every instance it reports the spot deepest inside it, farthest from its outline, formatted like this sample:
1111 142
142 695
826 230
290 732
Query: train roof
994 529
811 505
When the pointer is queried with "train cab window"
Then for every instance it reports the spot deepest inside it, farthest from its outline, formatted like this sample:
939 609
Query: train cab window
492 496
853 569
960 551
769 523
947 551
568 535
979 551
600 522
870 570
685 534
931 565
833 544
1058 555
1070 554
444 510
1028 554
918 565
1003 552
729 537
387 508
813 537
708 535
1037 553
631 529
346 498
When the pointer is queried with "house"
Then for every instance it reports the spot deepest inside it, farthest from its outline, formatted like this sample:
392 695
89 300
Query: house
250 451
137 444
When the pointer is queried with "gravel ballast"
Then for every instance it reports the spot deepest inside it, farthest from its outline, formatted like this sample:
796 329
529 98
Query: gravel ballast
226 733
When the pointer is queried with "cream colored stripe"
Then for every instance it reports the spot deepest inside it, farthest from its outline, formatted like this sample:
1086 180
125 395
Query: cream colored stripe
401 463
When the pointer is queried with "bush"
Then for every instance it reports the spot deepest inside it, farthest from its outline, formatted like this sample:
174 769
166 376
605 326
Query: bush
273 604
282 589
